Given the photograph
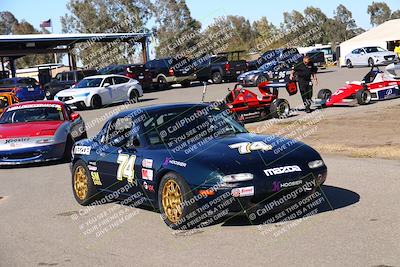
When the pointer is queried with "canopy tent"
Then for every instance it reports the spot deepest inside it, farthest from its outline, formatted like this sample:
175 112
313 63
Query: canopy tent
15 46
382 35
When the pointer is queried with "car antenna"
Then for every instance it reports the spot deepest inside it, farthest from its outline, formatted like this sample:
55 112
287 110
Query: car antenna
204 91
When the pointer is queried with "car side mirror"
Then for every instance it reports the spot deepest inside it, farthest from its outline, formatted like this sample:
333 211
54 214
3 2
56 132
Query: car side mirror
74 116
362 53
106 84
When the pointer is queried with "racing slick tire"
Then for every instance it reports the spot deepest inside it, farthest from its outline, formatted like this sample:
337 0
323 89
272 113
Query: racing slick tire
280 108
363 97
175 201
134 96
216 77
162 83
261 79
324 94
371 62
349 64
95 102
83 188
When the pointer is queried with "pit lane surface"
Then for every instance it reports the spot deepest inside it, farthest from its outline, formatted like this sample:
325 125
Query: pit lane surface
41 224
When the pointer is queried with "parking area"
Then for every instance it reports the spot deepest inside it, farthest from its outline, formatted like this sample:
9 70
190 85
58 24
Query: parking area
356 223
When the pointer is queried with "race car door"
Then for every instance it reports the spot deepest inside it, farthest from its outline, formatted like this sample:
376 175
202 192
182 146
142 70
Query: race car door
119 164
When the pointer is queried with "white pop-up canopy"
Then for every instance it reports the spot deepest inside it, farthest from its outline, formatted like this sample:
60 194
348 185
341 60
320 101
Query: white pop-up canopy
378 36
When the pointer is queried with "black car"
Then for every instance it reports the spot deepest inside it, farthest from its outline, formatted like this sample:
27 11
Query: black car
65 80
133 71
191 161
274 65
168 71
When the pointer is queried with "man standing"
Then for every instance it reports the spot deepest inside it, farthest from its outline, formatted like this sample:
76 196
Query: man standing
397 49
305 72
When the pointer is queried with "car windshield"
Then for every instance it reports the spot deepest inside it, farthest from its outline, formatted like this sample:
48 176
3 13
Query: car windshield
374 49
187 125
31 114
92 82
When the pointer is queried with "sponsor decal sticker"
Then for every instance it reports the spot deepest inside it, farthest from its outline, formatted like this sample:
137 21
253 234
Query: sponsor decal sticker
17 140
92 168
82 150
243 191
282 170
147 174
247 147
277 185
174 162
147 163
35 106
96 178
148 187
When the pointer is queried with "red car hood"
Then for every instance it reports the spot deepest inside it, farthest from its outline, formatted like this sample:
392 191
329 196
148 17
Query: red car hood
31 129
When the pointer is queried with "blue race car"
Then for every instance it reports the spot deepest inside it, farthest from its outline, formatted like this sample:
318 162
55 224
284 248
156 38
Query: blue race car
189 161
25 89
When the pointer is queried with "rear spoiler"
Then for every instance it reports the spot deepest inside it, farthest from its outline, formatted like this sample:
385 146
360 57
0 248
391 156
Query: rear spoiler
265 87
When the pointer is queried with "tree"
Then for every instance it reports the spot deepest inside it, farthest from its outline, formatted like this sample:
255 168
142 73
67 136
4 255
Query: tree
379 13
395 15
111 16
24 27
177 32
264 34
7 20
344 26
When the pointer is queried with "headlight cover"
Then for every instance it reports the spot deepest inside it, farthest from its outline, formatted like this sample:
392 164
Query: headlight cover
316 164
239 177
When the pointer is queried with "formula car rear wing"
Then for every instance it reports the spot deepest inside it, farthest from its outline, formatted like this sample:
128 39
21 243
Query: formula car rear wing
265 87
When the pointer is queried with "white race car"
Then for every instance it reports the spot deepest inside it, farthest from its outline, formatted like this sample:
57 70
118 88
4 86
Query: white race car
99 90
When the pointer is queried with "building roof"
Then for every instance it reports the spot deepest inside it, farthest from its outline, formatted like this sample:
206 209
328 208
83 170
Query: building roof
20 45
388 31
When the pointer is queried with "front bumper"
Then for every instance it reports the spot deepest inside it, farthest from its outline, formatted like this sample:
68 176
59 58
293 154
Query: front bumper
175 79
32 154
77 101
266 195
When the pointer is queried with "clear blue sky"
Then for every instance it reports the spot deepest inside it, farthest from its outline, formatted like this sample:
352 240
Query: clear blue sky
35 11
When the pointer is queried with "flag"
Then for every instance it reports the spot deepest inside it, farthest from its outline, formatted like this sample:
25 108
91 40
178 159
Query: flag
45 23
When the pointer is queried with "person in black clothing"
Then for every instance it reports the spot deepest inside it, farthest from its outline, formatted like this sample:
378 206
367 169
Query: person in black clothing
305 73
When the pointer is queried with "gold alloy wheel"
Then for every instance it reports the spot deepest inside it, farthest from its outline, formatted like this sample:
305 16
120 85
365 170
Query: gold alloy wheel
80 183
172 201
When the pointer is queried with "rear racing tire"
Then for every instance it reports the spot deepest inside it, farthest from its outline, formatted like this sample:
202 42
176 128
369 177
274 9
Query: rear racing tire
216 77
134 96
174 201
349 64
95 102
82 185
363 97
280 108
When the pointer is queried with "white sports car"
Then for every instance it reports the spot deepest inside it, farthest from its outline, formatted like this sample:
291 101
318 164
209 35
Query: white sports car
99 90
370 56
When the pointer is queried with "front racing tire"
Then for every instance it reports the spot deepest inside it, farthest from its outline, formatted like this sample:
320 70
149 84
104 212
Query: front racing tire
371 62
280 108
363 97
324 94
349 64
260 79
174 201
82 184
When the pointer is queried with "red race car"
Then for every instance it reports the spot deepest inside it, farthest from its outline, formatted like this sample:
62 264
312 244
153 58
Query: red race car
376 85
250 107
38 131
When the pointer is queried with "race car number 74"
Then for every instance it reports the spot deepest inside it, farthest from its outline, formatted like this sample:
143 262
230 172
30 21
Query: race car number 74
126 168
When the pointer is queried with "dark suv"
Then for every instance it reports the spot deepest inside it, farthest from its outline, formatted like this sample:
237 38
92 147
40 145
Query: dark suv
65 80
169 71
